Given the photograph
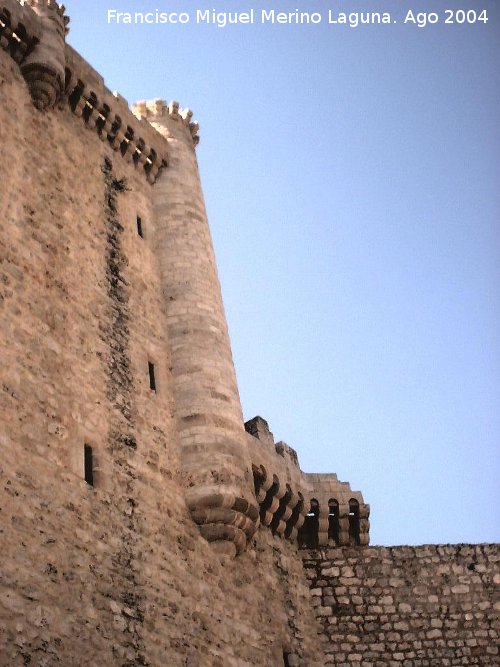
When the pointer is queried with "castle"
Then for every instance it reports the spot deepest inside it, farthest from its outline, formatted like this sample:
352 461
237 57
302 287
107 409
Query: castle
142 522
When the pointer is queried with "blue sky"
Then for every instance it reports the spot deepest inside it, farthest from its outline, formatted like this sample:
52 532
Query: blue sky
352 183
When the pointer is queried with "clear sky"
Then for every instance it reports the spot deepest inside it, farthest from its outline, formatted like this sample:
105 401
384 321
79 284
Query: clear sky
352 183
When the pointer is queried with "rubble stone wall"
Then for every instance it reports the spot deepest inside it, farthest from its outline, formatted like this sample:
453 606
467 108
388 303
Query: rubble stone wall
110 569
115 574
408 606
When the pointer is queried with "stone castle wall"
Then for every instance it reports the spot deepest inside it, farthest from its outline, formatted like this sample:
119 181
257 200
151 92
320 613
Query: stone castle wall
410 606
112 569
116 573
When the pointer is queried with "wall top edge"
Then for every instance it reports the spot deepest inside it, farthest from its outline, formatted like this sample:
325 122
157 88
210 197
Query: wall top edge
94 82
458 548
280 461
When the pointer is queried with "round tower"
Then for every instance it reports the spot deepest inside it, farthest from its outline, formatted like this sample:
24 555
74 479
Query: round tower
216 468
44 68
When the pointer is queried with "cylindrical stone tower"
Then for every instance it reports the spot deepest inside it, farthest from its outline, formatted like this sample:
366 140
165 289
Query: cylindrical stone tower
44 68
215 465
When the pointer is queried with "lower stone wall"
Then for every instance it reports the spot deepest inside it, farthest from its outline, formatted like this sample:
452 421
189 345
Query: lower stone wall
80 588
407 606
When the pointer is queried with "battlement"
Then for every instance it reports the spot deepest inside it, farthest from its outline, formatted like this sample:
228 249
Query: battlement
314 508
20 30
108 114
154 110
49 6
56 73
45 4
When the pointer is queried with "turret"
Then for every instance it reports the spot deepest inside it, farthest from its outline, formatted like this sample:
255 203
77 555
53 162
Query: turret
44 67
216 467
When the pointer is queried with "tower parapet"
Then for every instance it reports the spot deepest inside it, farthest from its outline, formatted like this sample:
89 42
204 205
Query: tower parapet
216 468
44 67
182 127
316 509
20 29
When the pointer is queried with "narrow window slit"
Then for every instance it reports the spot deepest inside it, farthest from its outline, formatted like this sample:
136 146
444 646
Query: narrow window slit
88 465
152 378
140 230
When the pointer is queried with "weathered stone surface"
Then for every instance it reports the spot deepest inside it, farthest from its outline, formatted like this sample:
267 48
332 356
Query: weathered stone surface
447 618
122 428
116 573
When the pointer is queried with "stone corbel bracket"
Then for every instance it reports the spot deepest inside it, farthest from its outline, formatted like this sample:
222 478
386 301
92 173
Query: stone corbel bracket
317 510
108 114
20 30
33 33
43 68
277 479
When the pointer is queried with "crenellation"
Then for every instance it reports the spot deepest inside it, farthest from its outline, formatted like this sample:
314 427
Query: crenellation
287 452
330 512
109 115
20 30
156 110
52 68
44 67
20 14
47 4
259 428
